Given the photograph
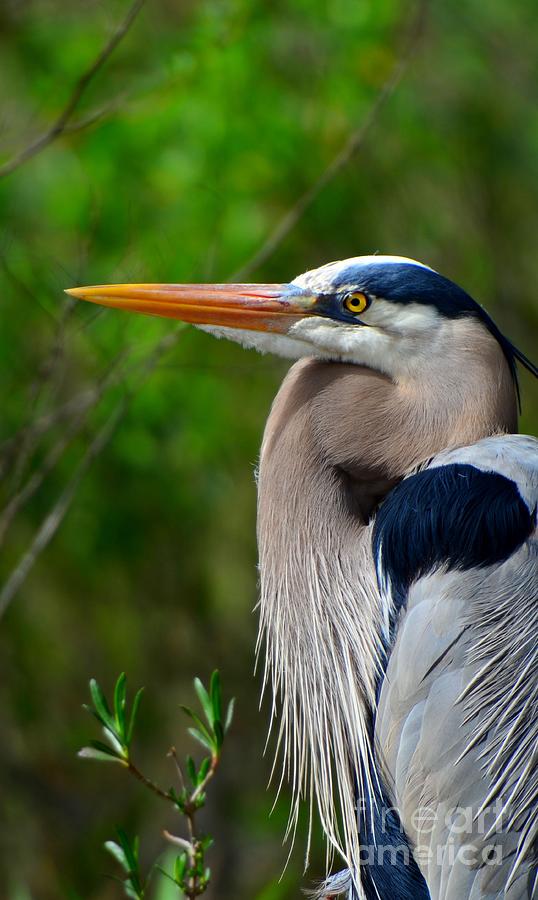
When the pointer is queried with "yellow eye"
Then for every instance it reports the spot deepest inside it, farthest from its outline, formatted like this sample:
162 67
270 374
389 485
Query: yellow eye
356 302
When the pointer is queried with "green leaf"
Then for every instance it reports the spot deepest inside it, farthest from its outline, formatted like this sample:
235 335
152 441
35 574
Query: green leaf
229 714
179 799
202 739
101 706
205 700
104 755
197 721
119 855
95 714
191 770
180 866
117 745
132 891
216 698
120 697
134 713
130 850
203 770
219 734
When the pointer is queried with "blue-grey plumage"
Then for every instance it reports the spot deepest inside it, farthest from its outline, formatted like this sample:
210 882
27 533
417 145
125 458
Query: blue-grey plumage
456 723
398 605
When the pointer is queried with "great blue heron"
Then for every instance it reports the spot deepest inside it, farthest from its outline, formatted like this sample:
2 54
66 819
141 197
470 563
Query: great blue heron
397 542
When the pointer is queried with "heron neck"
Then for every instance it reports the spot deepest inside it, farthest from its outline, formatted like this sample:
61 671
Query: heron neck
337 439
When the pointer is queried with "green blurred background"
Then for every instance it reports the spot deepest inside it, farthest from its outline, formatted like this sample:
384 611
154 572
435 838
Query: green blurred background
214 117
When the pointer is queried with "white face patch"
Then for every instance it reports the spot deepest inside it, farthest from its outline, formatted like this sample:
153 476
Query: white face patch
395 338
401 318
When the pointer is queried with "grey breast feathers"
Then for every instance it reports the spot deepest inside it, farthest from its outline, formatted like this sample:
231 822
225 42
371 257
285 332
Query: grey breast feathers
457 722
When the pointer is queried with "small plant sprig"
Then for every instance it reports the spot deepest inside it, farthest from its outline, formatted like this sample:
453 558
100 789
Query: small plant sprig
126 854
190 873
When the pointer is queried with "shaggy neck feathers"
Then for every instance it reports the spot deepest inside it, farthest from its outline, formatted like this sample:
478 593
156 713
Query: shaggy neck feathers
337 439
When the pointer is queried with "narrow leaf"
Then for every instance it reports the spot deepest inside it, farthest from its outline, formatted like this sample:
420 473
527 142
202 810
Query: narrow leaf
219 734
120 697
203 770
117 852
115 742
202 739
130 850
191 770
180 866
134 713
216 701
95 714
197 721
99 701
100 755
204 699
229 714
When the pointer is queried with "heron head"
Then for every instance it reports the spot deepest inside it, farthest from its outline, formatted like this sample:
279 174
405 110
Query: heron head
385 312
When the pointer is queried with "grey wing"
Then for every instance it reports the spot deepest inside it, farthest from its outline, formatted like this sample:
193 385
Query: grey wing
457 721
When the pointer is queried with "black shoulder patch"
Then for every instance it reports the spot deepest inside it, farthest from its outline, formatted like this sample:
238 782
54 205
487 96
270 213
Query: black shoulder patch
456 515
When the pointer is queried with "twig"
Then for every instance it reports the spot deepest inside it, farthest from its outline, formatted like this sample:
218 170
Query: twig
55 517
48 381
173 754
177 841
36 479
353 144
60 125
82 401
95 115
53 520
147 782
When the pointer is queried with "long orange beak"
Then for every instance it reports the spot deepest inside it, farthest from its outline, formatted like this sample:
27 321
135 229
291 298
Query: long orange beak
256 307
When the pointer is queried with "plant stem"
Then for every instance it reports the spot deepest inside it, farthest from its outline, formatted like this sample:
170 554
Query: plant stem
147 781
192 847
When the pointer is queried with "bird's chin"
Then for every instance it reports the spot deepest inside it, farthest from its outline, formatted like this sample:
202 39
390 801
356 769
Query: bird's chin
286 346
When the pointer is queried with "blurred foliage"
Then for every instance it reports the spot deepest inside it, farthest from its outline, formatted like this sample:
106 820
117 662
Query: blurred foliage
217 116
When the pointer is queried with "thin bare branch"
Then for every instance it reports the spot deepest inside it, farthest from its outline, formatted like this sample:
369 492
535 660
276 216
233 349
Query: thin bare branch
353 144
154 788
55 517
74 426
96 115
47 383
53 520
61 123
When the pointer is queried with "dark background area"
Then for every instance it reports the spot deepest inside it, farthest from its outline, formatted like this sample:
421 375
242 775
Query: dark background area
190 145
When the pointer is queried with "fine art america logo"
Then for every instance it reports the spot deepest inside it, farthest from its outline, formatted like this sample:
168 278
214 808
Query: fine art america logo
439 836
